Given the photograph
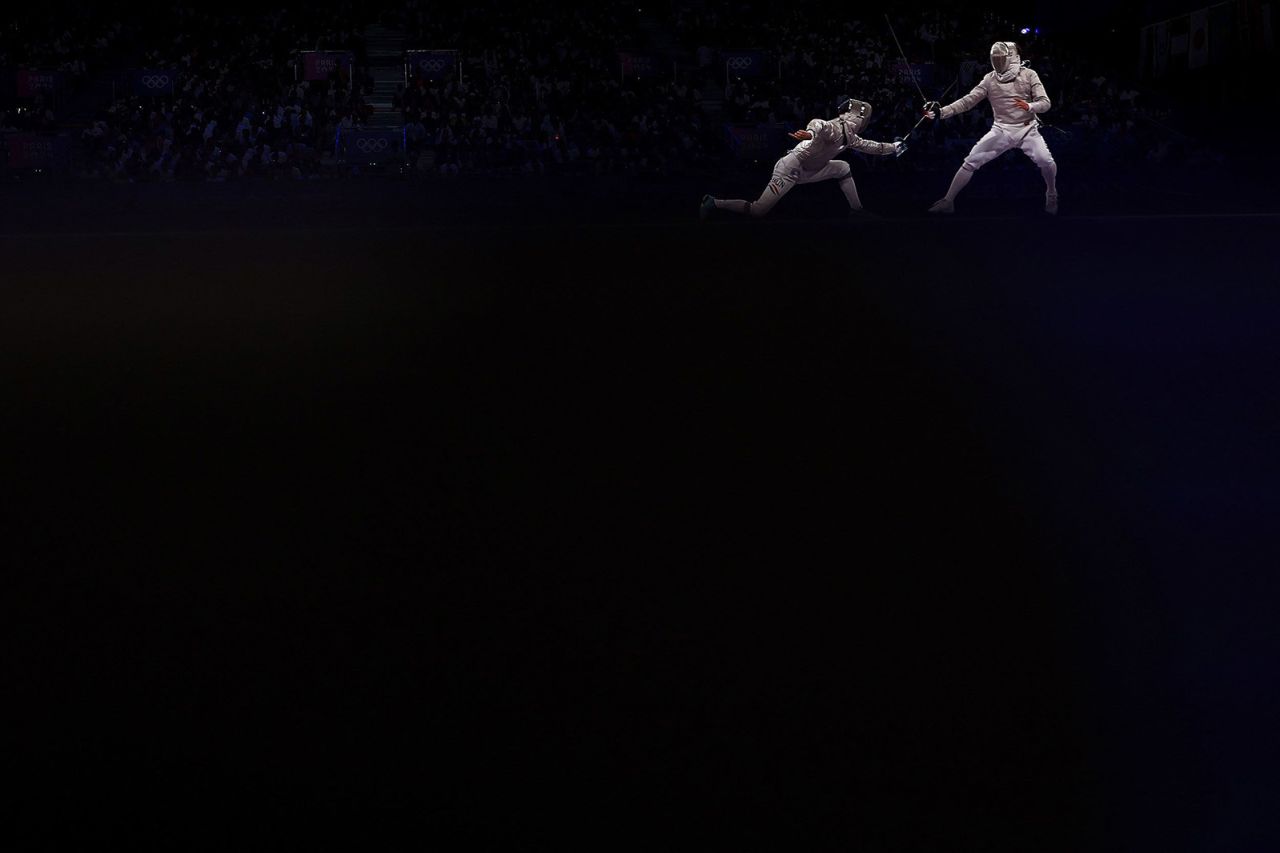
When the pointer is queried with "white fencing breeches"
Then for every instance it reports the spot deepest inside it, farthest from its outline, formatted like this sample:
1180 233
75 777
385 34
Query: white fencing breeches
787 173
999 140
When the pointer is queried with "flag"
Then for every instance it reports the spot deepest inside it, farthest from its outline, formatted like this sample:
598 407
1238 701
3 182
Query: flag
1221 33
1250 27
1161 65
1198 47
1179 41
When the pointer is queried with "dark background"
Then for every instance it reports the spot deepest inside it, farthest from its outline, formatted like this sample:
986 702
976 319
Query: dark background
537 531
530 513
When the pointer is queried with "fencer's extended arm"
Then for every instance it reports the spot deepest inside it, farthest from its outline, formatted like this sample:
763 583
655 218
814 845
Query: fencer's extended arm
867 146
968 102
1039 99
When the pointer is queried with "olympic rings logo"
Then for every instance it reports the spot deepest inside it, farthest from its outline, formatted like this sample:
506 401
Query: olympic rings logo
156 81
371 146
741 63
431 66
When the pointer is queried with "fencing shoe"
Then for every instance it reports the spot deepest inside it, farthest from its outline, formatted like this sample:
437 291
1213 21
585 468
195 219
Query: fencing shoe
704 209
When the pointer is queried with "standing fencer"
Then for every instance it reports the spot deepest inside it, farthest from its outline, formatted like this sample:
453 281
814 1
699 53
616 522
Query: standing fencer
811 161
1017 96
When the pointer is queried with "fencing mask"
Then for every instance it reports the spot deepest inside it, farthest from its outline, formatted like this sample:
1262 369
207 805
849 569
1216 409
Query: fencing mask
1005 61
854 115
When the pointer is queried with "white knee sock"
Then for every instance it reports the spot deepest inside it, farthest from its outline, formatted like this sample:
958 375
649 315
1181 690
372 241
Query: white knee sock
959 182
850 190
1050 173
736 205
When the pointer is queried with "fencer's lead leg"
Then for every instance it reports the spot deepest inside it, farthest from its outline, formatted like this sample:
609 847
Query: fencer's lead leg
840 172
850 190
988 148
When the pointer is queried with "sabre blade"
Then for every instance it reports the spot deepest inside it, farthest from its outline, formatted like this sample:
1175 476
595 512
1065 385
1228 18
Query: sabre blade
913 129
903 54
923 118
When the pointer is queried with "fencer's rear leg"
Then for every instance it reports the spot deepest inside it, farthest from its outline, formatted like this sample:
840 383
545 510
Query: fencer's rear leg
779 186
707 205
1038 150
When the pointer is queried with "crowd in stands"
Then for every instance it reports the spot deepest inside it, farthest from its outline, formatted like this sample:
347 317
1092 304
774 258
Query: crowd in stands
541 88
238 108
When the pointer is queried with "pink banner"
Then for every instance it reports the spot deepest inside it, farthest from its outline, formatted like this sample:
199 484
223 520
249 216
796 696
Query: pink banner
33 83
753 143
639 65
321 64
33 151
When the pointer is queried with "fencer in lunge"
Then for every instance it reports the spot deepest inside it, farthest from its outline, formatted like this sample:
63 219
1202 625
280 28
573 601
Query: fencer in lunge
812 161
1017 97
